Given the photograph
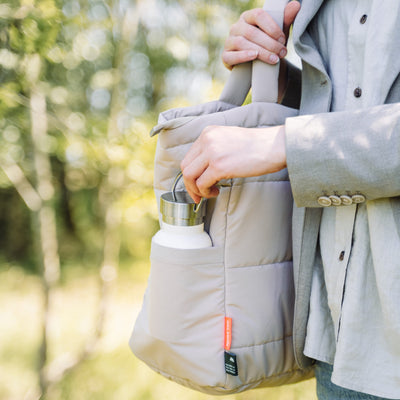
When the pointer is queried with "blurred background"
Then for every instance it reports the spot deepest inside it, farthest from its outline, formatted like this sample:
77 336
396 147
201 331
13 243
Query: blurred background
81 84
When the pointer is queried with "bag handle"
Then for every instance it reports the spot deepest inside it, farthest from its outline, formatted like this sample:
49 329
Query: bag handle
262 77
265 76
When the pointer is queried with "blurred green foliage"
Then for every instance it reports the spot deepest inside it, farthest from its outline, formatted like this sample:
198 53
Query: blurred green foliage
106 68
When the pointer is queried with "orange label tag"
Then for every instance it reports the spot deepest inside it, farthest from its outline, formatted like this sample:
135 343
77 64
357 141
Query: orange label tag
228 333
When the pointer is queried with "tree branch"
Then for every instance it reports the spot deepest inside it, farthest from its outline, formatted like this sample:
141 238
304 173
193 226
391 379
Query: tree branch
24 188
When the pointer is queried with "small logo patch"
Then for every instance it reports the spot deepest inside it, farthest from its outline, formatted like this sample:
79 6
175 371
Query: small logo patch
231 367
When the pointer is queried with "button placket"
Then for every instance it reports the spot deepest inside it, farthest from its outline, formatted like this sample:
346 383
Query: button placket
356 49
345 217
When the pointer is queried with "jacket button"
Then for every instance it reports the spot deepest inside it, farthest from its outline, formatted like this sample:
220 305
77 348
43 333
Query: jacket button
341 256
357 92
358 198
324 201
346 200
363 19
335 200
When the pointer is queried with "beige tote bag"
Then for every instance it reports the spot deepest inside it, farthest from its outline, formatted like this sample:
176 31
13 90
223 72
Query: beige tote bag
220 319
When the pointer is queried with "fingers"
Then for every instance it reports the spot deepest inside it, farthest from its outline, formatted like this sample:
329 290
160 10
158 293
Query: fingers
192 166
200 185
291 11
252 43
265 35
199 177
234 57
261 19
255 35
206 184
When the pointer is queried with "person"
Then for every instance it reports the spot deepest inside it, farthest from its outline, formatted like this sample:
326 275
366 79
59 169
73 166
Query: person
343 158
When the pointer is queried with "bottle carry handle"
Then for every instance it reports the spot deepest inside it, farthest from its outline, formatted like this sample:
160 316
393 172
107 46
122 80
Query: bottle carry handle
197 207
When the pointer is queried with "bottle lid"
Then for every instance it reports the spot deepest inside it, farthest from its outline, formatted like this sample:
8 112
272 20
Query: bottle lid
178 208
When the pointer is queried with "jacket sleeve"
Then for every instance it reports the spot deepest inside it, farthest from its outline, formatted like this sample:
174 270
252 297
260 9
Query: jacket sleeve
344 153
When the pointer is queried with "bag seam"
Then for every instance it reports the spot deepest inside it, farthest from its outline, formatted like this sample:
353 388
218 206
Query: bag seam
197 264
262 265
263 343
225 267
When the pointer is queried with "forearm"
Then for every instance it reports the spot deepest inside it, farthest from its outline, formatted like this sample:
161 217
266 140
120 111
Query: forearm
224 152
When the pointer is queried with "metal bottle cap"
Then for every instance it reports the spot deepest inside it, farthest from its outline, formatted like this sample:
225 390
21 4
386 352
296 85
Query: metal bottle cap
178 208
182 210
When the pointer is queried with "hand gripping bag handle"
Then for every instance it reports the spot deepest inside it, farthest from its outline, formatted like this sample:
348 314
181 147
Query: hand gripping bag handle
262 77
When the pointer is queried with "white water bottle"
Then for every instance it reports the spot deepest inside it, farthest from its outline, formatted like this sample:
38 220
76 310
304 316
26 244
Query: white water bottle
182 225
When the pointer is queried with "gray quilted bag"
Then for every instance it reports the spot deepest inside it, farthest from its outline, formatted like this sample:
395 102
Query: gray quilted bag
246 278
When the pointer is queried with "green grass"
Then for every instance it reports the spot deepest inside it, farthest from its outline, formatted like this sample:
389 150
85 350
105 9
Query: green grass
112 373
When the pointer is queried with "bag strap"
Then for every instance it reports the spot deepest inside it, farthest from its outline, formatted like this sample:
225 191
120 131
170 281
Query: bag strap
262 77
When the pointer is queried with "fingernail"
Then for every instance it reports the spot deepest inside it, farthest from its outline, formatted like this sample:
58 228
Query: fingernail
273 58
282 40
282 53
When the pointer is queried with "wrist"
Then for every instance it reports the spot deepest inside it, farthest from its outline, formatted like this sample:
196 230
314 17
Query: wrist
272 151
281 147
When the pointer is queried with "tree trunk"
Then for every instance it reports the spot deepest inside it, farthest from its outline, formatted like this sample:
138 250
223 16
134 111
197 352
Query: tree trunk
44 225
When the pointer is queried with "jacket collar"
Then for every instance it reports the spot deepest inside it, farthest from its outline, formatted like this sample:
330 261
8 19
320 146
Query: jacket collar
301 39
307 12
382 60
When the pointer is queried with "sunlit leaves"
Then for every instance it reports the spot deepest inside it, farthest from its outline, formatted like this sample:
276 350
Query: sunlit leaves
34 27
106 68
8 59
9 96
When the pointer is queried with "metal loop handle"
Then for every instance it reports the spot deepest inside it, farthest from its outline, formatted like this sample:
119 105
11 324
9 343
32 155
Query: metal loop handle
175 184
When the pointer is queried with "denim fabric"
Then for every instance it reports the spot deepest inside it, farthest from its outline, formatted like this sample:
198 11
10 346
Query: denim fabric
326 390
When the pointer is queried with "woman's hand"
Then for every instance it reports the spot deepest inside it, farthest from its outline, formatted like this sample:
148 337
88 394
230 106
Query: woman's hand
257 35
224 152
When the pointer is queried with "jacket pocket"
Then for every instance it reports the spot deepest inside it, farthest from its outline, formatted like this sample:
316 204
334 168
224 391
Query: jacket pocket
186 293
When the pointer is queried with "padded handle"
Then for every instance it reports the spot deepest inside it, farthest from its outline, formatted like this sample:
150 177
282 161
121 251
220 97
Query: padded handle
265 77
238 84
262 77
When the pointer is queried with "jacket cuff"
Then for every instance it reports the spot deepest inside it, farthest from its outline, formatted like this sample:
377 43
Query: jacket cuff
302 164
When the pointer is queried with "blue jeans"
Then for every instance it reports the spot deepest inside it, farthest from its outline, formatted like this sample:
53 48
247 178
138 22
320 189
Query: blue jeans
326 390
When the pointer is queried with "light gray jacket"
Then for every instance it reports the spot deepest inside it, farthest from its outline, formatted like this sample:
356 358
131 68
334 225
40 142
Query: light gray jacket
327 153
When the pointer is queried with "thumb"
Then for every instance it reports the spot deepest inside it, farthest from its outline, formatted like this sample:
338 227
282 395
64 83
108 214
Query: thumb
290 13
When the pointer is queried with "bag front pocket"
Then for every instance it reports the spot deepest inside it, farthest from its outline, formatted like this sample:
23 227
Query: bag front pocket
186 293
